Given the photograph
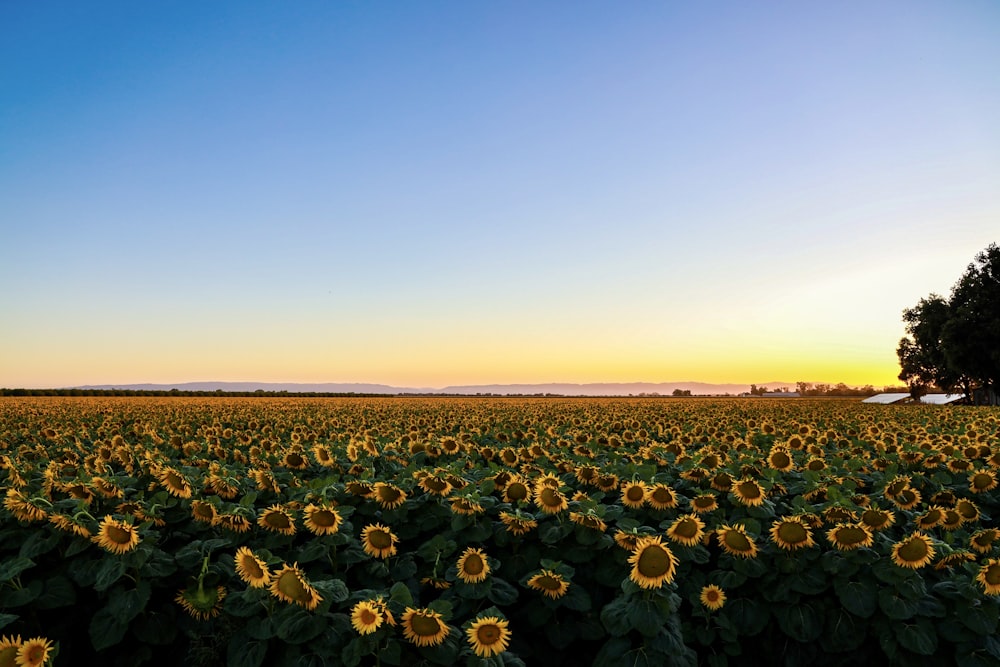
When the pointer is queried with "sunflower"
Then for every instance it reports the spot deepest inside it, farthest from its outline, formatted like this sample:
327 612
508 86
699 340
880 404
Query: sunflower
748 492
588 520
653 563
606 483
982 540
551 584
389 496
277 520
516 491
627 540
32 652
722 481
22 508
736 541
516 524
8 649
424 627
204 512
174 483
951 520
687 530
878 519
933 517
488 636
234 522
435 485
989 576
367 617
322 519
379 541
200 602
549 500
69 524
982 480
967 509
289 584
780 459
850 536
954 559
115 536
252 569
712 597
837 515
792 533
914 552
704 503
466 506
661 497
907 499
473 567
323 456
634 494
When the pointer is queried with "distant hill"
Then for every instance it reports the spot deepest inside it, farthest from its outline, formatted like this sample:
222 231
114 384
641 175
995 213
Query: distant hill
560 388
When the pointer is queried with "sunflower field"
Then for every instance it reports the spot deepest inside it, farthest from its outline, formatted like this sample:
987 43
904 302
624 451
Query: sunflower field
489 531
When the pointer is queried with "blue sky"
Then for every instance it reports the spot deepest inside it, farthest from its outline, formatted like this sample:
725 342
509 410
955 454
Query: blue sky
437 193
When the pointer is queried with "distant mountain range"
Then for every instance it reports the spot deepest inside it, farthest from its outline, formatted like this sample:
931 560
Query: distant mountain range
560 388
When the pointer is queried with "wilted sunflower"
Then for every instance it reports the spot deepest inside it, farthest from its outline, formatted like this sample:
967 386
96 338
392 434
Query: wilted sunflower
488 636
791 533
981 481
736 541
277 520
31 653
322 519
516 524
850 536
687 530
200 602
982 540
174 483
913 552
379 541
627 540
424 627
23 508
289 584
549 500
234 522
712 597
252 569
653 563
436 582
661 497
473 567
634 494
551 584
389 496
989 576
367 617
116 536
69 524
704 503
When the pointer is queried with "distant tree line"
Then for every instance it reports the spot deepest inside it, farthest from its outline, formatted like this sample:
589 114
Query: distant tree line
954 343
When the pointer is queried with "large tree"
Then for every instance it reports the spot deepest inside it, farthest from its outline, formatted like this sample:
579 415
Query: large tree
955 343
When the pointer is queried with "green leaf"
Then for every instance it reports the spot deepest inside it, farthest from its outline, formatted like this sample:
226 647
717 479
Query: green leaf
108 572
400 593
311 551
502 593
300 626
245 652
802 622
23 595
40 542
844 631
981 618
354 652
646 617
896 607
811 581
858 598
576 598
125 604
612 654
919 637
7 619
155 628
748 617
106 630
13 567
561 635
333 590
614 617
442 607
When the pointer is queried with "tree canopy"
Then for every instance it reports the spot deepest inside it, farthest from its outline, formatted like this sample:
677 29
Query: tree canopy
954 343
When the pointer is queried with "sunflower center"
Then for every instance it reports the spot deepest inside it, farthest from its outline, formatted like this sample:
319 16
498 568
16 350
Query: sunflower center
252 567
737 541
913 551
473 564
368 617
548 582
704 503
981 481
294 460
324 518
425 626
792 532
686 528
277 520
488 634
780 460
851 535
635 493
749 490
380 539
992 574
290 584
517 491
118 535
550 497
389 494
662 496
874 518
654 561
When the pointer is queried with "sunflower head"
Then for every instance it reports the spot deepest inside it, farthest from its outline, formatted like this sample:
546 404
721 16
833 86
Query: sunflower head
551 584
322 519
201 602
379 541
661 497
488 636
792 533
389 496
424 627
289 584
277 520
687 530
634 494
252 569
116 536
989 576
653 563
850 536
473 568
736 541
712 597
914 552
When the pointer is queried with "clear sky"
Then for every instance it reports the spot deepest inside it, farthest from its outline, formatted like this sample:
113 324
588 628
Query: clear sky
433 193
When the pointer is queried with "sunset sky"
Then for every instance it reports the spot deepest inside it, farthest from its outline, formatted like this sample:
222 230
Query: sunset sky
434 193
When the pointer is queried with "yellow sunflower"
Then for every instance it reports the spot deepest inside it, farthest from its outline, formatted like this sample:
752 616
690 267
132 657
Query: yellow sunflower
516 524
289 584
878 519
954 559
748 492
379 541
234 522
204 512
322 519
736 541
488 636
780 459
174 483
551 584
367 617
792 533
653 563
967 509
850 536
466 506
627 540
32 652
687 530
907 499
712 597
8 650
549 500
473 567
661 497
989 576
914 552
634 494
588 520
200 602
424 627
982 540
252 569
277 520
933 517
435 485
981 481
389 496
115 536
516 491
